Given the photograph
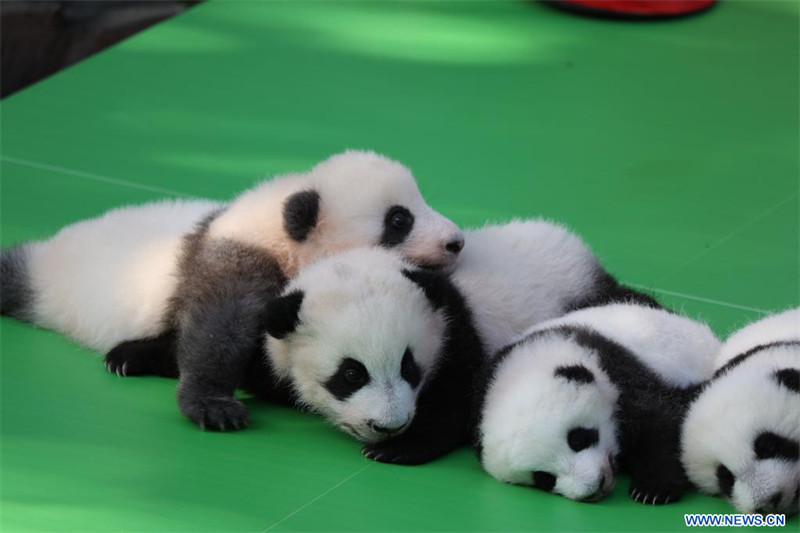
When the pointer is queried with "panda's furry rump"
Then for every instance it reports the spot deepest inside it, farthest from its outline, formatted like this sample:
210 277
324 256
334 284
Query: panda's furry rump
104 280
16 293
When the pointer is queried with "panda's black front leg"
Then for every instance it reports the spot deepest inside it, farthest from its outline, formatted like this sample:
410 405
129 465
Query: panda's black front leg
657 475
218 313
435 432
155 356
215 345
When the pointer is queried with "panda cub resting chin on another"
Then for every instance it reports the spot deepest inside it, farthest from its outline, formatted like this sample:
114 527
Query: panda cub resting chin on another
576 396
741 436
193 276
383 350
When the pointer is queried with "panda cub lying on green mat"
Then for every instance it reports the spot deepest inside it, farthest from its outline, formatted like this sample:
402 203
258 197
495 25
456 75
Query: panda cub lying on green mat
627 384
574 397
197 274
741 437
552 272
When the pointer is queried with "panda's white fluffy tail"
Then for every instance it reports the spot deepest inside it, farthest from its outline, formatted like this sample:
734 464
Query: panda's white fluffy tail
16 293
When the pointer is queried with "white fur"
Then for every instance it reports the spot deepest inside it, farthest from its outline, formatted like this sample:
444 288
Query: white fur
783 326
723 423
528 412
356 189
107 280
521 273
678 349
358 304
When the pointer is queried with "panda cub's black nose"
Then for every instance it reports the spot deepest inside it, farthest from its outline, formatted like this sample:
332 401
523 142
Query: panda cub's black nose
384 429
455 246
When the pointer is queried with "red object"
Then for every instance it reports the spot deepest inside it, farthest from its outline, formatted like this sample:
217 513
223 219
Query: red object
639 9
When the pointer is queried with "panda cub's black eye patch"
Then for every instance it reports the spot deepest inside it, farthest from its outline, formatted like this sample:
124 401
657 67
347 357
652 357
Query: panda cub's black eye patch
409 370
768 445
580 439
397 224
544 480
576 373
726 480
789 378
348 378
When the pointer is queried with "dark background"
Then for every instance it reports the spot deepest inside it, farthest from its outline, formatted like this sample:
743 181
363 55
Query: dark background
41 37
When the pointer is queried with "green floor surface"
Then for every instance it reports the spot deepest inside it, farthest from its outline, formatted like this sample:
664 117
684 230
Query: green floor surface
672 147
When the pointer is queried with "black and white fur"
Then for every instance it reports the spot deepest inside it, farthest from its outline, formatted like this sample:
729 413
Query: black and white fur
523 272
741 437
197 274
384 351
575 396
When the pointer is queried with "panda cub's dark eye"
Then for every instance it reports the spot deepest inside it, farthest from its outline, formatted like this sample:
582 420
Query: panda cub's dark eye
581 438
726 479
397 225
401 219
348 378
355 375
409 370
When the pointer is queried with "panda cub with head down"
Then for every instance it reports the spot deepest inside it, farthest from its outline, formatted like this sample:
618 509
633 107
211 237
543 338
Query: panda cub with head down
741 436
384 351
195 275
576 396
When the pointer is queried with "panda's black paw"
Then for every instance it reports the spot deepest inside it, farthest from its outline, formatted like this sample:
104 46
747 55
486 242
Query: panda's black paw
144 357
217 414
398 451
655 494
123 362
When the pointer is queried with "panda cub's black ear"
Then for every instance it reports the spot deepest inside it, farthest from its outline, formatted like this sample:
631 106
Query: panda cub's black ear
282 315
434 285
300 214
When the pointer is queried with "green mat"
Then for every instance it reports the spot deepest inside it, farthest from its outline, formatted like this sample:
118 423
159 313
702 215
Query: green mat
671 147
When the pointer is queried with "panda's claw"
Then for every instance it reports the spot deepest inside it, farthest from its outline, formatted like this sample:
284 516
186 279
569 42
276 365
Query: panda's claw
125 369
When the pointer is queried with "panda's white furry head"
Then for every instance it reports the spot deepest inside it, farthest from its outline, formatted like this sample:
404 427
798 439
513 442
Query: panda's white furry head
351 199
741 436
358 340
548 419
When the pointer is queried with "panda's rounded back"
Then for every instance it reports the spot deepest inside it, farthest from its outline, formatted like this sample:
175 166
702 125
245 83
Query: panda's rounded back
783 326
680 350
520 273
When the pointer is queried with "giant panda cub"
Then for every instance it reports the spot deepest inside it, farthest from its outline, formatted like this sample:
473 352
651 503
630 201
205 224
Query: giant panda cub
576 396
383 350
198 274
741 436
523 272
